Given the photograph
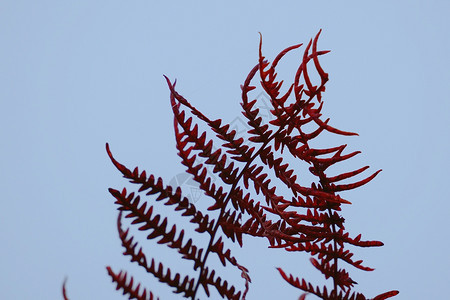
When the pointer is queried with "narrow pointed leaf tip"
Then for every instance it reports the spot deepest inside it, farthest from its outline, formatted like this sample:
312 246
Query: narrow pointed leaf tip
64 290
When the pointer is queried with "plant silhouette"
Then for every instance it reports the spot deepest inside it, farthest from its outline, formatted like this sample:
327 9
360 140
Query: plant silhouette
245 200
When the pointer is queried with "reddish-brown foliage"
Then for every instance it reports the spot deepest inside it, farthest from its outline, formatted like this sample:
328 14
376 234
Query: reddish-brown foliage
246 200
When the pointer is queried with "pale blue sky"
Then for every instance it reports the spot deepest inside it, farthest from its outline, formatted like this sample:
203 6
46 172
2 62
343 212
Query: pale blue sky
77 74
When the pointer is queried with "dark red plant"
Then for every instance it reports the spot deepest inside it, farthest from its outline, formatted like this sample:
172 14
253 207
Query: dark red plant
246 201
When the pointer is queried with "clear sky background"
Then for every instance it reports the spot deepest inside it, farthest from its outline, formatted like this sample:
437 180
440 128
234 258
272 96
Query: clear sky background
77 74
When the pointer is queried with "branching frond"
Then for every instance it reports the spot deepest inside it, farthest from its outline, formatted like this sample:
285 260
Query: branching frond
302 217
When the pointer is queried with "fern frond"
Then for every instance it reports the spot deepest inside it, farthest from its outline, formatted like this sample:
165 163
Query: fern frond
157 229
157 187
210 278
306 219
128 288
305 286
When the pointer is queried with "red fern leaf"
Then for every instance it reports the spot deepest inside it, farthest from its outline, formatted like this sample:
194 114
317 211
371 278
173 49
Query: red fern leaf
307 220
127 286
386 295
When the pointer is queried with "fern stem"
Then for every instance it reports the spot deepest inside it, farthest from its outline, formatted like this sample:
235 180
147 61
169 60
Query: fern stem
333 229
222 210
